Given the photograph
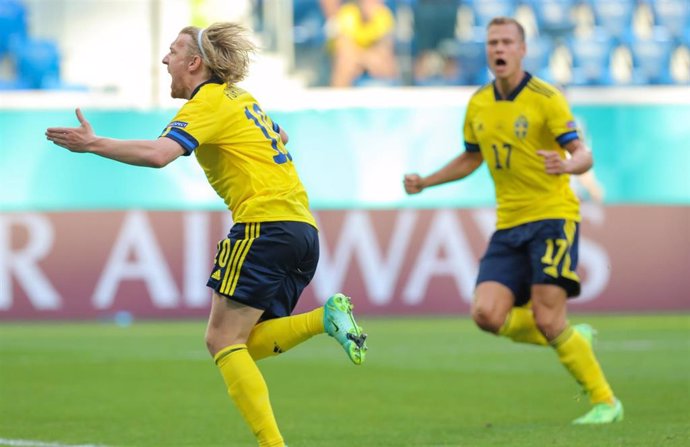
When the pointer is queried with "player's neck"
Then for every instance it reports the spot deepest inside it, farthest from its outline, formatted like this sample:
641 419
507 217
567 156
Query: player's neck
507 85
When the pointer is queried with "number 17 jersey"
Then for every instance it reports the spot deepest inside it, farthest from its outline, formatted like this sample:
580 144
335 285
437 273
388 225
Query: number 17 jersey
509 132
241 152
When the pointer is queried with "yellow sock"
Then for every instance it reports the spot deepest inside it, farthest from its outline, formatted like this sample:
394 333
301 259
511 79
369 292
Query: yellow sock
273 337
578 358
247 388
520 327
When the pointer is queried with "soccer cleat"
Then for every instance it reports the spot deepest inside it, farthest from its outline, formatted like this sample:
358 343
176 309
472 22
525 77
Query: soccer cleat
603 413
588 332
340 324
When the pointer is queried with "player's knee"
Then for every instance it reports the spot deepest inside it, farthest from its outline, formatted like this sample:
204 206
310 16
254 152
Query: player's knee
549 326
486 319
211 344
217 339
214 342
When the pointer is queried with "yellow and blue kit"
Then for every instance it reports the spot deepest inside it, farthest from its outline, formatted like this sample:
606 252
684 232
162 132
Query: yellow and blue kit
271 252
509 132
537 235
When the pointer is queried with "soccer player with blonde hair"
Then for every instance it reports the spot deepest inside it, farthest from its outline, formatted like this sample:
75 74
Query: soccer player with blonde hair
272 249
522 127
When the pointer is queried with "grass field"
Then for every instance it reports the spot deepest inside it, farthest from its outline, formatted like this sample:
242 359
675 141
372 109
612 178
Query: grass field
427 382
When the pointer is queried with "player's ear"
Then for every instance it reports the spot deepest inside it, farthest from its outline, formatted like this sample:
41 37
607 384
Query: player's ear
196 62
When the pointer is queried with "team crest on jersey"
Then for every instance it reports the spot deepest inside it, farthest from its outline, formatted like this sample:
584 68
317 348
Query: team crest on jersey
180 124
520 127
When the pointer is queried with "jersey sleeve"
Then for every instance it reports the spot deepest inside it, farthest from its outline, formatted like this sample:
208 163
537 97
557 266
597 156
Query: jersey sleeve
471 141
560 120
193 126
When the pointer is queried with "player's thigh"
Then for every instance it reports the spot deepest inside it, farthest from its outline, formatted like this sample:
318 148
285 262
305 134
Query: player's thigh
229 323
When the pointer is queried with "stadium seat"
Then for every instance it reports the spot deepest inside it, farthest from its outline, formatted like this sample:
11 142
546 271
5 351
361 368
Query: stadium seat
536 61
615 16
309 24
37 64
470 56
674 15
652 58
591 58
485 10
12 24
554 17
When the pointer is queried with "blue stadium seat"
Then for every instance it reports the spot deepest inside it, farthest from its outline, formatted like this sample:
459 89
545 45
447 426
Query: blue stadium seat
674 15
554 17
470 56
538 54
37 64
591 58
309 22
485 10
615 16
652 58
12 24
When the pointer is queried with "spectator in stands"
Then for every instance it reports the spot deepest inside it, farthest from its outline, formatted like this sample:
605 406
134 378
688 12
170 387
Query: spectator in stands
329 8
363 42
523 126
272 249
434 26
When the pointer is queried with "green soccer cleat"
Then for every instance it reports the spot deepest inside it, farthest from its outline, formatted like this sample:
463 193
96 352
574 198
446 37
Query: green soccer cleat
340 324
602 413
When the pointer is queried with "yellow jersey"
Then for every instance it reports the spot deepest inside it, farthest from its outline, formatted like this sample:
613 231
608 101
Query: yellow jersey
365 33
240 150
509 132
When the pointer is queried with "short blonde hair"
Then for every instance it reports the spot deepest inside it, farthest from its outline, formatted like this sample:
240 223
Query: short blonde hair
226 50
507 21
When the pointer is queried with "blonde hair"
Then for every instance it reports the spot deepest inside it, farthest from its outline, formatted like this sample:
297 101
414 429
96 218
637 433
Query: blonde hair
507 21
226 49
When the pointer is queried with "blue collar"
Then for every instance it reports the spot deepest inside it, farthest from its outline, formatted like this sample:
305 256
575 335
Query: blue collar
213 80
515 92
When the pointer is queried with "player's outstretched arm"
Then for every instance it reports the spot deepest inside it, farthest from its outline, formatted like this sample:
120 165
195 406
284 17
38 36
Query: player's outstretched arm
456 169
82 139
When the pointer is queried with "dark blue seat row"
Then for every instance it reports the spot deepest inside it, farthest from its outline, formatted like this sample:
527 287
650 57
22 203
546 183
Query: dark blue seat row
556 24
36 62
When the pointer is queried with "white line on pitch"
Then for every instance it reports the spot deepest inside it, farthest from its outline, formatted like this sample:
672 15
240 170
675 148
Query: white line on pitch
30 443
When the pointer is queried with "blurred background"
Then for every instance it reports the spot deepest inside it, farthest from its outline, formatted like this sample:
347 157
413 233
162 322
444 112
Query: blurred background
364 102
431 42
99 261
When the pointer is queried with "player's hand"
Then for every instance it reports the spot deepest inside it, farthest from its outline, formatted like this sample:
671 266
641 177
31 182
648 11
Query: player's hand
75 139
413 183
553 163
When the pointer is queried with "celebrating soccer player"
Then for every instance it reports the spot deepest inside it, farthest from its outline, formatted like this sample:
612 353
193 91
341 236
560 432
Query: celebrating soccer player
522 127
271 251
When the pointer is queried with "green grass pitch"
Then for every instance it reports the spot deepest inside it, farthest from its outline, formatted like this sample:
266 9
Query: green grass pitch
427 382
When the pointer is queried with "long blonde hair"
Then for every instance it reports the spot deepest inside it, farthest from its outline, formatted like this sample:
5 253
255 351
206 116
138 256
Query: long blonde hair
226 49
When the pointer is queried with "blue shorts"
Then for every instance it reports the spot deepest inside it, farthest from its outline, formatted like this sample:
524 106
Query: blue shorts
266 265
541 252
